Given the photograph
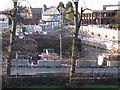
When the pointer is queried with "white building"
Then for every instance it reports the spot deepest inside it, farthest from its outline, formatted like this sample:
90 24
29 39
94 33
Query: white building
51 18
4 22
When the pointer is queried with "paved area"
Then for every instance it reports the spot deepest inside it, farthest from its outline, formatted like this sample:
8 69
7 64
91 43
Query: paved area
34 71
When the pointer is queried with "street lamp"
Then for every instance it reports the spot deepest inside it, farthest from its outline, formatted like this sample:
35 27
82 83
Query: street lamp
74 44
15 2
76 17
14 16
76 0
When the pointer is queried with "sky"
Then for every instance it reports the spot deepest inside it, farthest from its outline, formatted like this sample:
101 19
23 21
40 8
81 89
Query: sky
92 4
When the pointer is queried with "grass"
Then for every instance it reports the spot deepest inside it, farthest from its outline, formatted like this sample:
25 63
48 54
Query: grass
43 87
89 87
115 87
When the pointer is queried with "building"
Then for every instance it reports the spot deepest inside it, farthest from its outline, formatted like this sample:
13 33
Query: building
51 18
25 12
100 17
4 22
119 4
36 16
87 17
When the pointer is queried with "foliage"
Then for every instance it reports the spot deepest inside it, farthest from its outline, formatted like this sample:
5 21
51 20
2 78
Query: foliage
69 5
70 14
61 4
68 23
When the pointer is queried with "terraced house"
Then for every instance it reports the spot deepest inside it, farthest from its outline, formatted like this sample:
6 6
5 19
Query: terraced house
51 18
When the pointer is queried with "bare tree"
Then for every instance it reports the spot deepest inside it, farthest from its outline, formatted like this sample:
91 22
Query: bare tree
16 18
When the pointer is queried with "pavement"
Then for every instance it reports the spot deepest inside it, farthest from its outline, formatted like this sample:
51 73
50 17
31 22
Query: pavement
35 71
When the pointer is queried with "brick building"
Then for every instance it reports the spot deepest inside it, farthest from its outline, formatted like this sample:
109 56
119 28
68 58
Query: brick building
100 17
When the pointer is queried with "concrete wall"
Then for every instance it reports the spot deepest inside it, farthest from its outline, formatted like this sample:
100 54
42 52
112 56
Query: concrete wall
88 63
20 62
113 63
49 63
100 37
103 32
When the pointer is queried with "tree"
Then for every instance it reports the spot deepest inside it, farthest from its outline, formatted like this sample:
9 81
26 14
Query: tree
61 4
69 5
70 14
61 8
14 15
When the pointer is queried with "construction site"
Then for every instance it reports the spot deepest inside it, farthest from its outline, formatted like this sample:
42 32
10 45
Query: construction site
32 45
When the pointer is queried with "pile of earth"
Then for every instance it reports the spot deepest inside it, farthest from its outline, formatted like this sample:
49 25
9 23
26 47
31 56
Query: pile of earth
34 45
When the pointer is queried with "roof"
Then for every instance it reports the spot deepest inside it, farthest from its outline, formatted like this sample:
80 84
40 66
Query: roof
36 10
103 11
50 11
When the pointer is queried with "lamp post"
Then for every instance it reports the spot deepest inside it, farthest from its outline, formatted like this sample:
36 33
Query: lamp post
14 17
74 44
15 2
61 33
76 18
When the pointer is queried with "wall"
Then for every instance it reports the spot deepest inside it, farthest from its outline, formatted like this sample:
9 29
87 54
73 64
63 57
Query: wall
100 37
49 63
110 34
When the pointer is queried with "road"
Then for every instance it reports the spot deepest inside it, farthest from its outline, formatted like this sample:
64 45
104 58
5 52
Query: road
91 53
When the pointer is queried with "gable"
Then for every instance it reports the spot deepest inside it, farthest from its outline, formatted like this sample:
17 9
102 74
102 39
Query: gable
51 11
